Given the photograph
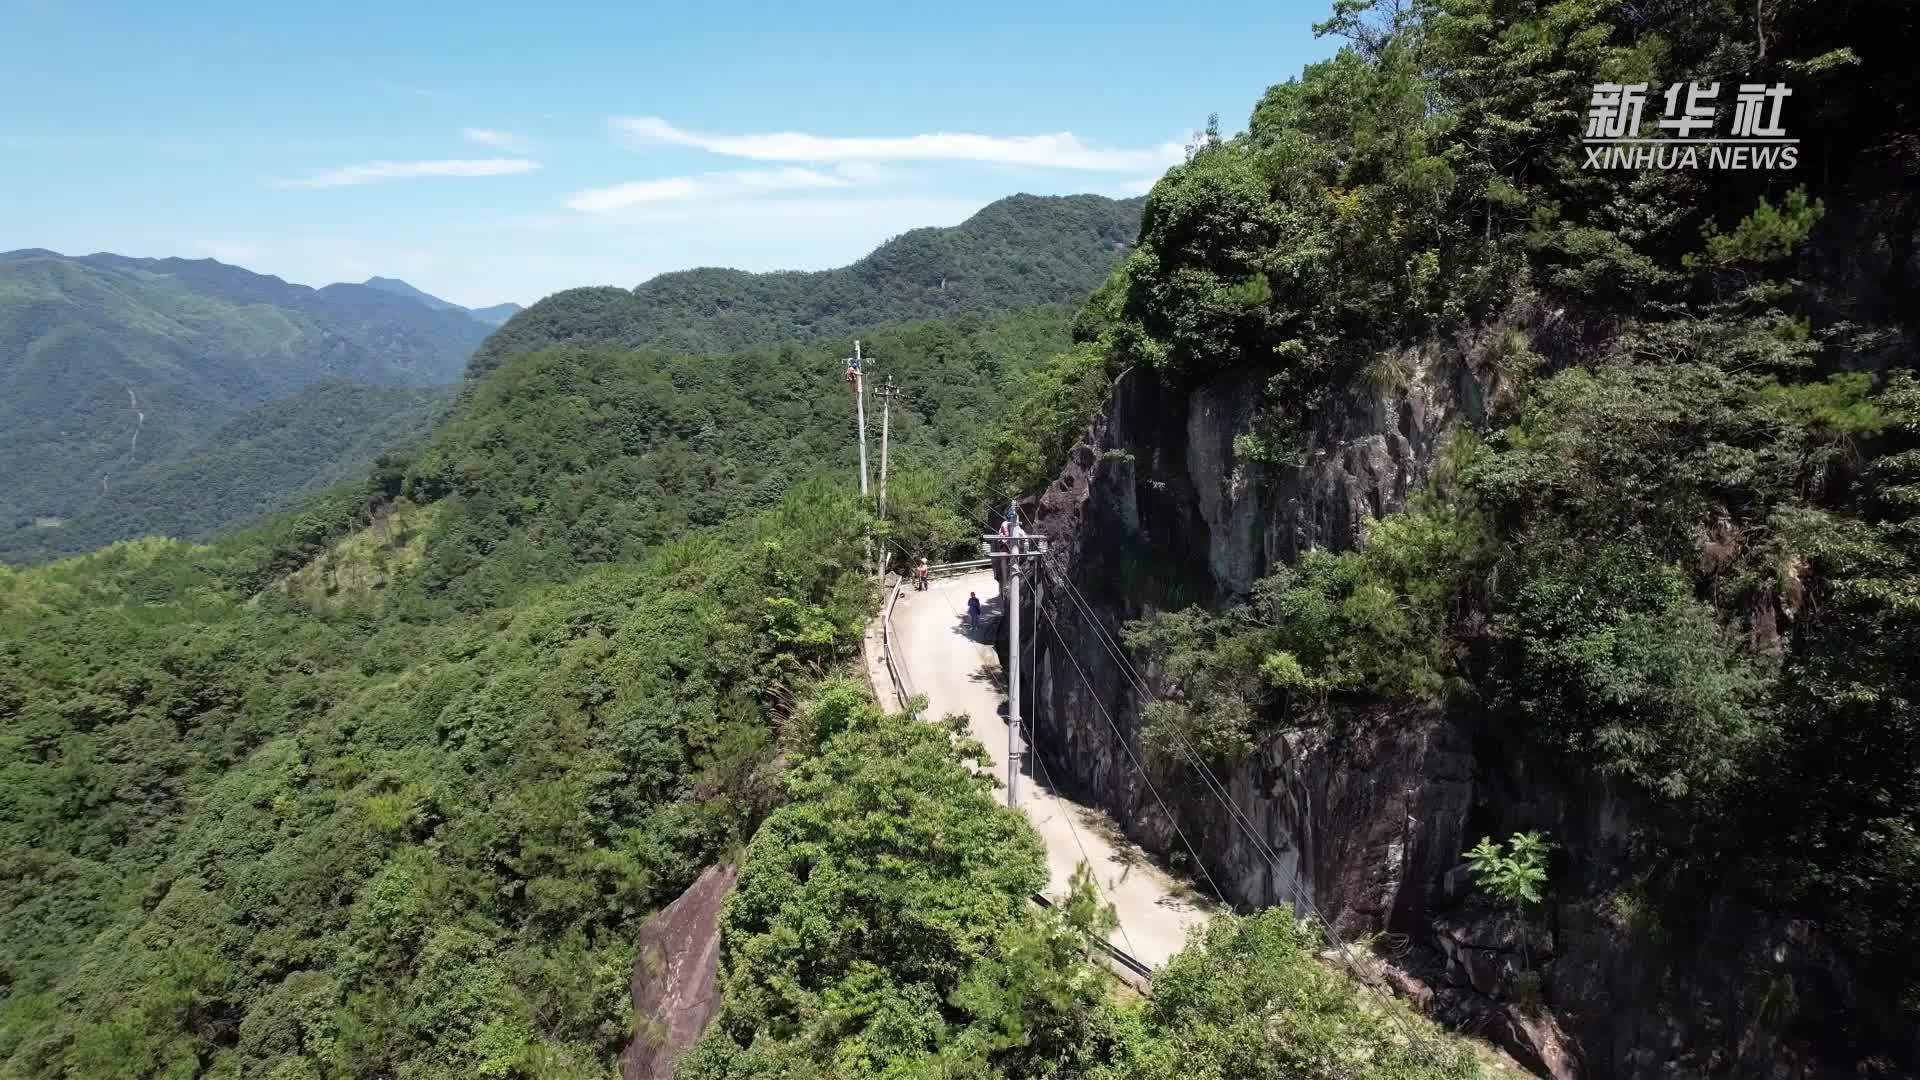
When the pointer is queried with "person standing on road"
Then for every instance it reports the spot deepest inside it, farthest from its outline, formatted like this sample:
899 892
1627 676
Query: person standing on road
973 612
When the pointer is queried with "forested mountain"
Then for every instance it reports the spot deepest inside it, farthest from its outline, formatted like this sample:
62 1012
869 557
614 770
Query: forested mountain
492 316
129 369
113 367
263 460
1014 253
577 455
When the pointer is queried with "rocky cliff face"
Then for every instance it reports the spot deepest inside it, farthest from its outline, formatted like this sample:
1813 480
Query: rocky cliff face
1367 823
676 977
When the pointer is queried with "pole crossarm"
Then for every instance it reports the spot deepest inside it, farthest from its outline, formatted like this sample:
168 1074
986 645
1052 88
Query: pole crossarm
1001 547
854 365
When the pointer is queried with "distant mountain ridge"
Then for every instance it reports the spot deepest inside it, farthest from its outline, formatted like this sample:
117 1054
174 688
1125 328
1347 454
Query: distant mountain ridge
1014 253
111 365
189 395
492 316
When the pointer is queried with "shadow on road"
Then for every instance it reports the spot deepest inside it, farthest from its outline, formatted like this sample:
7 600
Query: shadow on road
990 613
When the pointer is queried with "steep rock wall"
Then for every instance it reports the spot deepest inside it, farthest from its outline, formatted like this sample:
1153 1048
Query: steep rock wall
676 976
1154 511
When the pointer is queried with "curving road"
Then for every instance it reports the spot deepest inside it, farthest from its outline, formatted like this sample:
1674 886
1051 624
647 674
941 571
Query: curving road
960 673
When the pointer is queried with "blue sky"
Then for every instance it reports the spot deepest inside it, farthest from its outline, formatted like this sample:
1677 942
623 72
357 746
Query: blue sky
489 152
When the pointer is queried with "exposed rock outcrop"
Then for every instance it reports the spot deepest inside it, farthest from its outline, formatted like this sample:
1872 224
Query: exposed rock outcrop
676 970
1368 820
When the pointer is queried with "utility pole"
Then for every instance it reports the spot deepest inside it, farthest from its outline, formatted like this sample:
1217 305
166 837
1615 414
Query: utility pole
860 410
1016 745
886 394
1015 549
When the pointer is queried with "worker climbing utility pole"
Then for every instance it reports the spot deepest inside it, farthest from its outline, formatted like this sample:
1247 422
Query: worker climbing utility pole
860 410
886 394
1017 549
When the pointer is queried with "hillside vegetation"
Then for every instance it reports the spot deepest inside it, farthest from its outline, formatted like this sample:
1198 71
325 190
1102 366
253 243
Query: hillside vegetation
293 840
1682 554
1013 254
113 367
575 455
385 785
260 462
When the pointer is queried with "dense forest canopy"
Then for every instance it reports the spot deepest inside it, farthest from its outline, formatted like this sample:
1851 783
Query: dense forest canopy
262 461
1015 253
271 838
385 785
575 455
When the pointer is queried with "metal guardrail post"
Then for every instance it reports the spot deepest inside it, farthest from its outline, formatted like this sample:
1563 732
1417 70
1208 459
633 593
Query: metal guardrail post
1120 957
894 667
959 567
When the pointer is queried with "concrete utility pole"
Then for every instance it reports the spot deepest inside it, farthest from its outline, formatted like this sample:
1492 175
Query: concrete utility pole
1016 549
860 410
886 394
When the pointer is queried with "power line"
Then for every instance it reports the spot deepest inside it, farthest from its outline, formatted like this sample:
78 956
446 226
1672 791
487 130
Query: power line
1213 783
1191 757
1124 745
1071 827
1219 791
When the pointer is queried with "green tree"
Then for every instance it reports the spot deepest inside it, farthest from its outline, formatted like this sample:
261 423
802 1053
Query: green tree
1512 875
1249 1000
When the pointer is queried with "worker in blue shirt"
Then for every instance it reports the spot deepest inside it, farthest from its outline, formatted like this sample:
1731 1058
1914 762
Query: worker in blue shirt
973 612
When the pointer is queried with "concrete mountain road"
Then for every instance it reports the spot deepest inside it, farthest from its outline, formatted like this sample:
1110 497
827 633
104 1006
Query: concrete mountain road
960 673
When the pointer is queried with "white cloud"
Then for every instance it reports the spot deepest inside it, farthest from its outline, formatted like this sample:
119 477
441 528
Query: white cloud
499 140
1059 151
374 171
705 187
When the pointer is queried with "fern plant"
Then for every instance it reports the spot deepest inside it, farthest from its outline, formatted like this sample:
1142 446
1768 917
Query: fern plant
1512 873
